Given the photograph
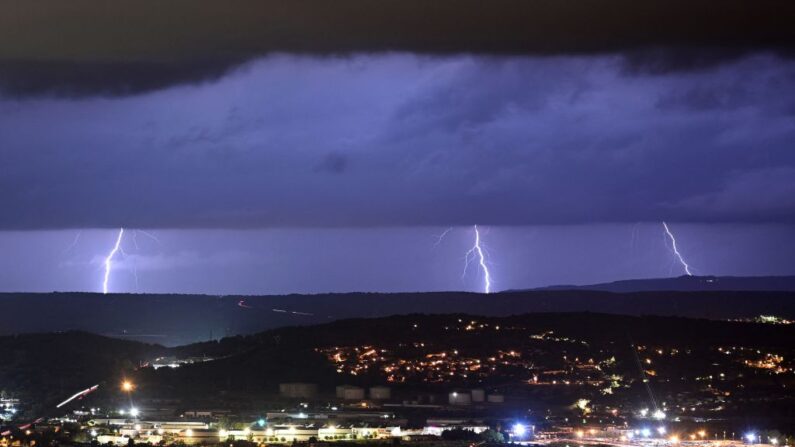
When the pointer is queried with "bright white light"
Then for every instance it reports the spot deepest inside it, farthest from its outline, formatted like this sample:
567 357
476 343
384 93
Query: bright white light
122 411
109 261
93 433
189 433
134 412
645 432
751 437
659 415
676 251
519 430
630 435
644 412
661 430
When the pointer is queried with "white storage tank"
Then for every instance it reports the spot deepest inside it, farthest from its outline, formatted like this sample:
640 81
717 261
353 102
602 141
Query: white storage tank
297 390
459 398
353 393
341 390
495 398
380 393
350 392
478 395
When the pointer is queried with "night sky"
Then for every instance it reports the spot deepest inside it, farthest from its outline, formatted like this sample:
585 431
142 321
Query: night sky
273 148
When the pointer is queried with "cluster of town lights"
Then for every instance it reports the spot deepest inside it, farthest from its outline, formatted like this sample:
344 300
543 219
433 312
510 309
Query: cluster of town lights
518 429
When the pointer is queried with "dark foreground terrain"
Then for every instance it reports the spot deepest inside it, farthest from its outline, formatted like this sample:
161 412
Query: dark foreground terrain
544 363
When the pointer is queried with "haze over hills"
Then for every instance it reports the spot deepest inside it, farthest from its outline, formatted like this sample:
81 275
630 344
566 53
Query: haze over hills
687 283
179 319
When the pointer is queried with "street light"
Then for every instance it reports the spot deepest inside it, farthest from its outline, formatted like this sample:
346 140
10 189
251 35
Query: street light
128 388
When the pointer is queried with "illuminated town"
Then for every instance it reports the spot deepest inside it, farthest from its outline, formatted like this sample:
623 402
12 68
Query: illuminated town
538 379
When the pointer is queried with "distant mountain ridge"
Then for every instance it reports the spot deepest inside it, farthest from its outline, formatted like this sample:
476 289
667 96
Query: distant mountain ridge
181 319
687 283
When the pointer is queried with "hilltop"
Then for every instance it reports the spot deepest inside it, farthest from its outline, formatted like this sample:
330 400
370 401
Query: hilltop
172 320
687 283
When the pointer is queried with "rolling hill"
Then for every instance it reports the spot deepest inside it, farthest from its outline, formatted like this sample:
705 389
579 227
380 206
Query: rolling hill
690 284
181 319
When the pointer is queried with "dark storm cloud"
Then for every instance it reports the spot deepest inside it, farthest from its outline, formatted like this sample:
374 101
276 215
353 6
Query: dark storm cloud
662 60
85 47
391 140
24 78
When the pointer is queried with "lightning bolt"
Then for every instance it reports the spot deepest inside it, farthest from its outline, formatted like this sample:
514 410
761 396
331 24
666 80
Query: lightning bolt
149 235
676 251
109 261
476 252
118 248
634 236
74 243
441 236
